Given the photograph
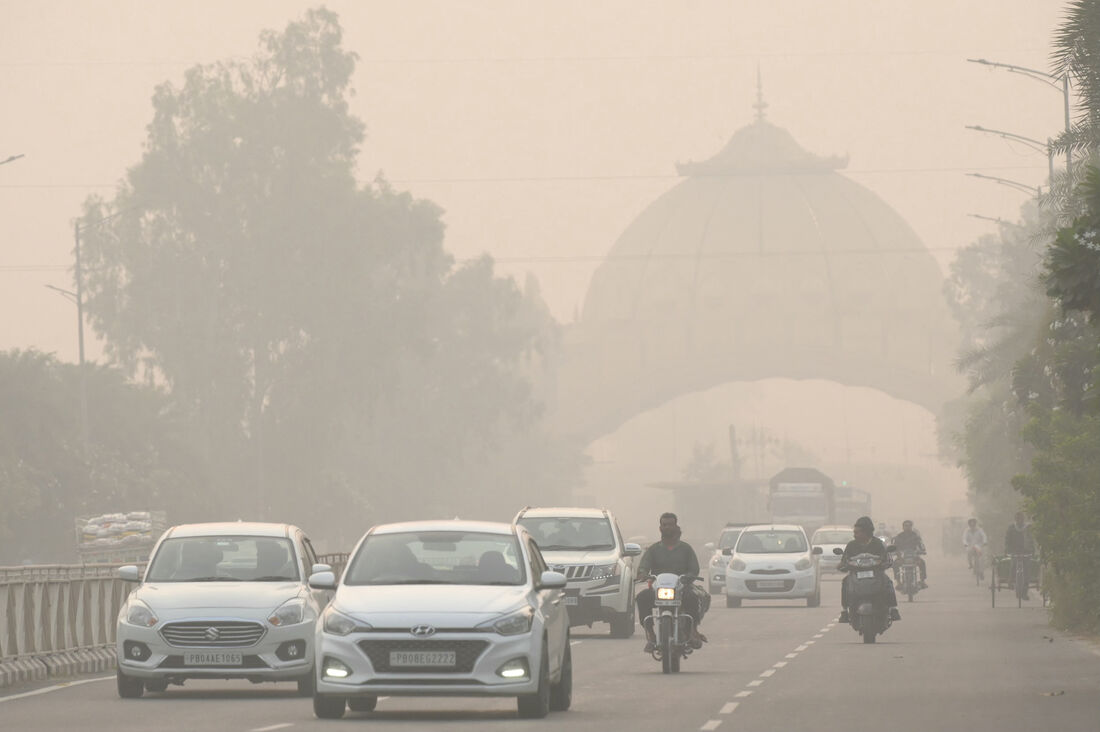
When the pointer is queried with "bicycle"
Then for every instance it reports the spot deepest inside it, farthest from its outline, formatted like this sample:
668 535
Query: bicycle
975 555
1020 581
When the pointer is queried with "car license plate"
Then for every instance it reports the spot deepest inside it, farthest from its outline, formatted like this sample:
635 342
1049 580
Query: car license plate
213 658
866 574
572 600
434 659
769 584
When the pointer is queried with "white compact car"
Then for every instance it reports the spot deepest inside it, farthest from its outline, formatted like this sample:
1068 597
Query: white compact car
444 608
220 600
829 538
719 558
585 545
773 562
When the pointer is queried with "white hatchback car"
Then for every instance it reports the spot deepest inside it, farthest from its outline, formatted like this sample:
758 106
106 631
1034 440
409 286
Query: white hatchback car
773 562
829 538
220 600
444 608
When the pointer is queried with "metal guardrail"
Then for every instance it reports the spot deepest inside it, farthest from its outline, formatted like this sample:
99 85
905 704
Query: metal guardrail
55 608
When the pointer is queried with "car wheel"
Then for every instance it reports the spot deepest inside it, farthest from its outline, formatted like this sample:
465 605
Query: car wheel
307 684
561 693
128 686
326 706
733 601
156 685
622 624
362 703
537 705
814 600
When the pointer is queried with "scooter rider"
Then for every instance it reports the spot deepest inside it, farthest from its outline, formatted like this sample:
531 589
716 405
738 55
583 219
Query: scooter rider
668 555
866 543
909 540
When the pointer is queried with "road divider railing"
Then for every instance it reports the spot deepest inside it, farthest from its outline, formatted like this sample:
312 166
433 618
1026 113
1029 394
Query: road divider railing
57 620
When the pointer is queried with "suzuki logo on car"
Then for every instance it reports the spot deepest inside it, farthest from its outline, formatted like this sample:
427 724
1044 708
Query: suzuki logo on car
212 634
423 631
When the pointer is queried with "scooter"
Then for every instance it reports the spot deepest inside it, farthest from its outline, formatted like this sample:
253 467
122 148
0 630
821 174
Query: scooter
867 588
672 626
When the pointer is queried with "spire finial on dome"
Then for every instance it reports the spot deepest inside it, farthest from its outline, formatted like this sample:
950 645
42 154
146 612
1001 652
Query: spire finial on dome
760 105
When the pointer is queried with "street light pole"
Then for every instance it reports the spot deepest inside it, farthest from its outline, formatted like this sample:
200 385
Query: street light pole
1037 190
1029 141
80 339
1046 78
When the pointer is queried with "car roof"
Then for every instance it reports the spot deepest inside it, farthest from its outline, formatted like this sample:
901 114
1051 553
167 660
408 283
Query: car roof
232 528
561 512
483 527
835 527
773 527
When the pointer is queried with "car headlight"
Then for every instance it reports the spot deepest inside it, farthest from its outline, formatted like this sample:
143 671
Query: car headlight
513 623
140 614
717 559
291 612
803 563
603 571
737 565
337 623
666 593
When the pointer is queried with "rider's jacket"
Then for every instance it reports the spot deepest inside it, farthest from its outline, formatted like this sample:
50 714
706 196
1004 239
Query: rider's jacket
909 541
658 558
1018 540
874 546
974 537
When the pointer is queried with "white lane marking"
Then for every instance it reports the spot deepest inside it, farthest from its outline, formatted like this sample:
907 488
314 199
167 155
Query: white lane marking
768 673
742 694
729 707
780 664
810 642
575 643
272 727
791 655
802 647
711 725
756 682
383 698
819 635
58 687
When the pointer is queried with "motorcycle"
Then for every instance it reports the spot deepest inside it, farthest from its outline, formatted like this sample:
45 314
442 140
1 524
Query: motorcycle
910 584
868 613
672 626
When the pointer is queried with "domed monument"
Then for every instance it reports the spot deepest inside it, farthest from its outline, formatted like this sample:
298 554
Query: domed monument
763 262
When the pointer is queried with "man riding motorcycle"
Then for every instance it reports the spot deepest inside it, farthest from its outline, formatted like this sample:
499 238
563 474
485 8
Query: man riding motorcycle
675 556
865 543
909 540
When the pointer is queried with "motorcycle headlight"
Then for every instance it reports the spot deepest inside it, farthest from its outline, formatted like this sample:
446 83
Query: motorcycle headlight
803 563
666 593
337 623
737 565
603 571
291 612
513 623
140 614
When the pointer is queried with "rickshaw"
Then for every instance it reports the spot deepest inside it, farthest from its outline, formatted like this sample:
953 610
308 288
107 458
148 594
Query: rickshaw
1017 572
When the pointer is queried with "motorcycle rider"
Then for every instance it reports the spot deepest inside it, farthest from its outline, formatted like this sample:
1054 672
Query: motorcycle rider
910 540
1018 540
675 556
866 543
974 541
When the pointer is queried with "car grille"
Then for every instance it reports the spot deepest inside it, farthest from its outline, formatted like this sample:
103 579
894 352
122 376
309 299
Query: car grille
574 572
753 586
466 654
770 571
212 634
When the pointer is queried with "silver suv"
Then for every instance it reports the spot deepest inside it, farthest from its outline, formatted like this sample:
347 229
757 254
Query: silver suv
586 546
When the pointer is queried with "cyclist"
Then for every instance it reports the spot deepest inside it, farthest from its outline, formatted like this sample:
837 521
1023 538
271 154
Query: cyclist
1018 542
974 541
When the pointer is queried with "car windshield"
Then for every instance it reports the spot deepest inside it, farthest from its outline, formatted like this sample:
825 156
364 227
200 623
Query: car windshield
224 559
577 534
771 542
437 558
833 537
728 538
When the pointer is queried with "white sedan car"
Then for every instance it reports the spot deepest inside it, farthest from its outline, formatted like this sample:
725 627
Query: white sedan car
221 600
773 562
444 608
829 538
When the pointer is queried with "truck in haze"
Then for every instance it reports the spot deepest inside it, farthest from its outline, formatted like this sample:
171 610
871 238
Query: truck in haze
803 496
851 503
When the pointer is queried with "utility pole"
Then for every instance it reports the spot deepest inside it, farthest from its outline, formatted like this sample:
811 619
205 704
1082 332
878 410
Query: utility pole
80 339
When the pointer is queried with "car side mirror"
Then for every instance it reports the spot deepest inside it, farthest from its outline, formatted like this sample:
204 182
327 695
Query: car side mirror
819 550
320 568
727 552
129 573
552 581
632 550
322 581
838 551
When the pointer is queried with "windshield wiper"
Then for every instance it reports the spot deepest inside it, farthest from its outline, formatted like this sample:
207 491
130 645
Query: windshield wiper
273 578
555 547
211 579
593 547
414 582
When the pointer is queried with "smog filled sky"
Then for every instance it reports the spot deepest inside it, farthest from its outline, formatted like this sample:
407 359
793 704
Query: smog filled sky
541 128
